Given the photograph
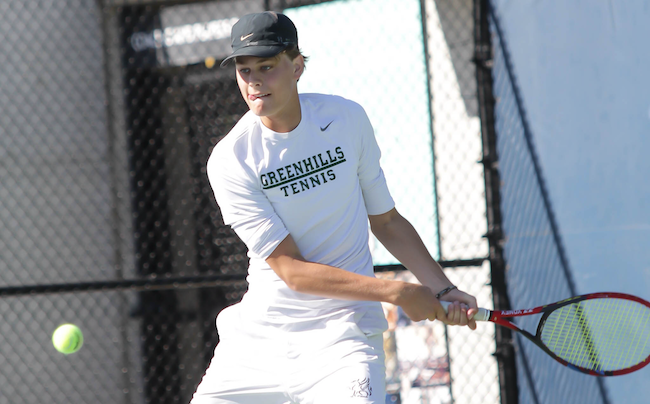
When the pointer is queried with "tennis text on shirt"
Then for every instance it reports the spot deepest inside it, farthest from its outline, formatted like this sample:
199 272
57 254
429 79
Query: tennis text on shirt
304 174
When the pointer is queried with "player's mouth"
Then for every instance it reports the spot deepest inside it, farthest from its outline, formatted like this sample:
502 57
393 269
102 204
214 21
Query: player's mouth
254 97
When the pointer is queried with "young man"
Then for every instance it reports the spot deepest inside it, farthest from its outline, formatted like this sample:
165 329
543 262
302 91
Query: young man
298 178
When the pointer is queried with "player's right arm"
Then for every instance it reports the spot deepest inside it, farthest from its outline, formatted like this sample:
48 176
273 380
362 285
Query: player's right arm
300 275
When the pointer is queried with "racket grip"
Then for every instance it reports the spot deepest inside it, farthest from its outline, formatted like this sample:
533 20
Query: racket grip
482 315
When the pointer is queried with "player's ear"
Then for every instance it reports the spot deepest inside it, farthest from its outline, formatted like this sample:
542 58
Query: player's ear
298 67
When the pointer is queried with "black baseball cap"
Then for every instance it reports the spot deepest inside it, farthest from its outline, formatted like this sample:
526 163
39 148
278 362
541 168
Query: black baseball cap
262 34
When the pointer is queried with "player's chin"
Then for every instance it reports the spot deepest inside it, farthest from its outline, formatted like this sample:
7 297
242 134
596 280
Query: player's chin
255 107
258 110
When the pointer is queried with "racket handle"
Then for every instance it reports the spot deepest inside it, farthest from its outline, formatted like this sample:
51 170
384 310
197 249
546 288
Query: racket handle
482 315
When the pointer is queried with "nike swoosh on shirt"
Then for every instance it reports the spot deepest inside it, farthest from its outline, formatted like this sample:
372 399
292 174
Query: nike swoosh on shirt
325 128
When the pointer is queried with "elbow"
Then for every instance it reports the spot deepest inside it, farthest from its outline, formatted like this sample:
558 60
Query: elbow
290 275
378 230
300 280
383 231
287 262
292 282
384 223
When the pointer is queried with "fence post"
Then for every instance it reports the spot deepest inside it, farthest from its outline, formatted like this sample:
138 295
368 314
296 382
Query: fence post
505 353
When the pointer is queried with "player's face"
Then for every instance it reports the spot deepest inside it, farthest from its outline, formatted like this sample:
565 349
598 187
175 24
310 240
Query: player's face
269 87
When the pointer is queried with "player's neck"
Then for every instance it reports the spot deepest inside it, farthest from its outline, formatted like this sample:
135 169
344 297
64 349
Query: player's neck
286 120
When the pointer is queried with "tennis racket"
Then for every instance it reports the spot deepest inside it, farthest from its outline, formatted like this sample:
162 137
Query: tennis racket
600 334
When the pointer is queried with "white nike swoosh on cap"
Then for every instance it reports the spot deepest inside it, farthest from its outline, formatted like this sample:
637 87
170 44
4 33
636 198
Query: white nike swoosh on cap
244 37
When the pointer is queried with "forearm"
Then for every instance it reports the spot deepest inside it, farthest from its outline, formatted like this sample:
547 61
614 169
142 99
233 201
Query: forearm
417 301
402 240
328 281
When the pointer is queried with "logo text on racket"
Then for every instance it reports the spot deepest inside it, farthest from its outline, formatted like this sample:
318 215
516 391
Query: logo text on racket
516 312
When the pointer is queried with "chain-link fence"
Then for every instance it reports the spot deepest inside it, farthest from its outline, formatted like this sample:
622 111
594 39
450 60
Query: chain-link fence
110 110
537 269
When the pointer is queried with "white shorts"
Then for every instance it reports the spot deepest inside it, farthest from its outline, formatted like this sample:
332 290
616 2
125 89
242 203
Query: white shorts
320 361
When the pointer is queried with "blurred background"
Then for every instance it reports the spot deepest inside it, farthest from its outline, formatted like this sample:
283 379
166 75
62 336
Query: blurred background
513 137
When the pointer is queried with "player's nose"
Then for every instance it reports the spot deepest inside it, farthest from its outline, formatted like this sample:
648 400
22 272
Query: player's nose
254 80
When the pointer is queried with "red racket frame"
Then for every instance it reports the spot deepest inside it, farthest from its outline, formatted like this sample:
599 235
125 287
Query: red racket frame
499 317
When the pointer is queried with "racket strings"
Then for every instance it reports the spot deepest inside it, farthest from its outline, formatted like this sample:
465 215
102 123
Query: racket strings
566 336
599 334
641 343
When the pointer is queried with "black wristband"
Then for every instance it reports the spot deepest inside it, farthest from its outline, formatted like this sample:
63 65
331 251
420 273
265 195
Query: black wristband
445 291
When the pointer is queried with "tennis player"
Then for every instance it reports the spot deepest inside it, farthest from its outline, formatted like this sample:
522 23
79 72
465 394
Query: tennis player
298 179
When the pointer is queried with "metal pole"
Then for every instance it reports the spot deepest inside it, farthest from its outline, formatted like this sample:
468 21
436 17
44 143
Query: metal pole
505 352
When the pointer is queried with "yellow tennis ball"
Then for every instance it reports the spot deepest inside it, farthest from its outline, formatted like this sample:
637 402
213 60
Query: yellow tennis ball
67 338
209 62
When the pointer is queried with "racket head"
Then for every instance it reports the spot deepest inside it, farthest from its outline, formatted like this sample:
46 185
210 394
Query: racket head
602 334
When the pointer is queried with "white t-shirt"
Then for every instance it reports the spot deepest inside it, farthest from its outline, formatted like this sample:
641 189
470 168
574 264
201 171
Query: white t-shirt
318 183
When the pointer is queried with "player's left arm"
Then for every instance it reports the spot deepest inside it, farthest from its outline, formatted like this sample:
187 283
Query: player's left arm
402 240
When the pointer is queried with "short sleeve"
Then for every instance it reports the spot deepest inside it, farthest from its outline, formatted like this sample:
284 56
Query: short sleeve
244 206
376 195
